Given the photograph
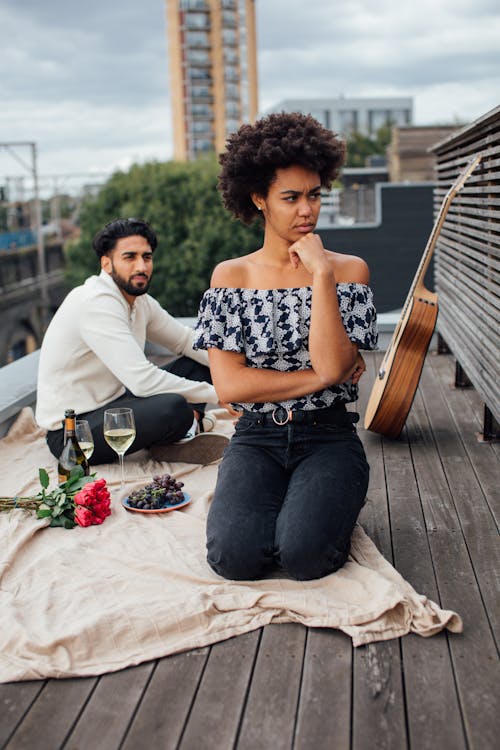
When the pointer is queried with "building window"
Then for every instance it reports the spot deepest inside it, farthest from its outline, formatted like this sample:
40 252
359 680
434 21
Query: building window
231 56
202 145
201 126
198 56
196 21
377 118
232 125
197 39
193 5
231 73
348 121
232 110
232 91
200 92
201 110
199 73
229 19
229 36
322 116
400 116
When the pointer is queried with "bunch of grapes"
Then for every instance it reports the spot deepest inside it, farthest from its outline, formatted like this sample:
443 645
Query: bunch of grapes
161 492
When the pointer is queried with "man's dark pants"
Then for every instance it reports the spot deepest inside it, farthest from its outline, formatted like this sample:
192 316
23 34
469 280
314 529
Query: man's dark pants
164 418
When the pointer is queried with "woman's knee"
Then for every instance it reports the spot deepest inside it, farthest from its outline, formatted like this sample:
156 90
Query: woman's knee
305 563
234 558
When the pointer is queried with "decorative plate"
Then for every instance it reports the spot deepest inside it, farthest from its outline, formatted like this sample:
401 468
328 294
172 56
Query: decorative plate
165 509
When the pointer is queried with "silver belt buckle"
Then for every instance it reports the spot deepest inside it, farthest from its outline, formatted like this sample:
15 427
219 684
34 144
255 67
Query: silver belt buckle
288 415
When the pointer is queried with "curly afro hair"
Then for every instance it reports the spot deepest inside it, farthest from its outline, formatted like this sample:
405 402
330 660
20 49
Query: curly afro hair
254 153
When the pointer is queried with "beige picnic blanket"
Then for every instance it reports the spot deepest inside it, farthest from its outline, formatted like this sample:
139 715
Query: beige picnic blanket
93 600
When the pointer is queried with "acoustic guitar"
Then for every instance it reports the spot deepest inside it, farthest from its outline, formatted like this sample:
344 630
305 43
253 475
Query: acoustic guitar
397 379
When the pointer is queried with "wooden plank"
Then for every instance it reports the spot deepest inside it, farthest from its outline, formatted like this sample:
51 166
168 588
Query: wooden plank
465 220
428 674
476 521
269 717
487 315
69 697
324 713
489 241
378 698
474 654
463 406
475 208
15 700
378 714
472 358
215 715
475 202
103 723
469 342
488 257
484 265
165 707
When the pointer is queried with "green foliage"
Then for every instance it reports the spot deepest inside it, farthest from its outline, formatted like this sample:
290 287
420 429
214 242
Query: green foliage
195 232
58 503
359 146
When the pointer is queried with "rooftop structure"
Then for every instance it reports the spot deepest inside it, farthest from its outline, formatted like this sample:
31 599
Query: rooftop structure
409 155
430 512
213 72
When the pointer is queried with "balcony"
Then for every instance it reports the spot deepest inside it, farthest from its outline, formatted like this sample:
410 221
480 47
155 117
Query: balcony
430 512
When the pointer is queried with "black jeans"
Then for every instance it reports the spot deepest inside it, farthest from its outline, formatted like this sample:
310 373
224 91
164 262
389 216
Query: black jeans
164 418
287 496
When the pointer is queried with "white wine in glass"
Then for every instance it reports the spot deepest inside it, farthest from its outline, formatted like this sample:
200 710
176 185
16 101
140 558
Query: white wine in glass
84 436
119 433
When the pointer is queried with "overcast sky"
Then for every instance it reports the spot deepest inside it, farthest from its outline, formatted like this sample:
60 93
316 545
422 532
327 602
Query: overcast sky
88 81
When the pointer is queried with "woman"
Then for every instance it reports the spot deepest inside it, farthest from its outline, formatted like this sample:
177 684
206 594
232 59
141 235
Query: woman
282 327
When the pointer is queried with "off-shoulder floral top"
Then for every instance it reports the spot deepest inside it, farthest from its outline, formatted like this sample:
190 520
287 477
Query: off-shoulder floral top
271 327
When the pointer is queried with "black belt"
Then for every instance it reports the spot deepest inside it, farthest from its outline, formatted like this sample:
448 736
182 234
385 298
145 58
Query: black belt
335 414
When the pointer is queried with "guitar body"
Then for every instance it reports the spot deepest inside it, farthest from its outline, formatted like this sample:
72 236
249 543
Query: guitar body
397 379
396 383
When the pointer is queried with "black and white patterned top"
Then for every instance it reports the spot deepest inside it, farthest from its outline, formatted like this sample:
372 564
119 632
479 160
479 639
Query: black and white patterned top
271 327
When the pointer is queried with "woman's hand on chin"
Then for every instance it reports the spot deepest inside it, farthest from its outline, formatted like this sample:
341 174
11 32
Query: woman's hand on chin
310 252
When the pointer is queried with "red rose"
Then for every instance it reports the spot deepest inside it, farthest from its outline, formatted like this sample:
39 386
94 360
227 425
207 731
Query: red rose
92 503
83 516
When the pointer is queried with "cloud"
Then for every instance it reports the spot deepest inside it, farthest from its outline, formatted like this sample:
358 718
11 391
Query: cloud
88 81
366 49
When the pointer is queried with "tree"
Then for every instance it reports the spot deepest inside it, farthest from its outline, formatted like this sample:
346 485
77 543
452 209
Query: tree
182 204
360 146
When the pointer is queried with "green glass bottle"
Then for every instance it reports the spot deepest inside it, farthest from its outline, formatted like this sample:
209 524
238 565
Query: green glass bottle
72 455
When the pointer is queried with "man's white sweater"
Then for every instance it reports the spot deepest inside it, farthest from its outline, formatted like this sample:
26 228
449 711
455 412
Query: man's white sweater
94 348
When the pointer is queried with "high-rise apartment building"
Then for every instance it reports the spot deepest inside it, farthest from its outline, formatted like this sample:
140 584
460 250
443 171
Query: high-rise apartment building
213 72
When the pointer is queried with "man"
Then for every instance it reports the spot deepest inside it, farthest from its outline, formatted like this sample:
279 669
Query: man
92 358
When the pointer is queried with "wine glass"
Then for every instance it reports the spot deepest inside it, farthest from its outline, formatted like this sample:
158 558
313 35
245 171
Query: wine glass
119 433
84 436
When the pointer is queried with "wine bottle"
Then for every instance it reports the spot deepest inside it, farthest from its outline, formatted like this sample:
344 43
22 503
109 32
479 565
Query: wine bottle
72 455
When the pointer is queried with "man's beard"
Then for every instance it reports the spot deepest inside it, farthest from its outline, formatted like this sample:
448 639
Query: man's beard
127 285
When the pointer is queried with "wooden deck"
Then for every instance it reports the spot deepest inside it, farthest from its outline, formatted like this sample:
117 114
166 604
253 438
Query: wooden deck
432 510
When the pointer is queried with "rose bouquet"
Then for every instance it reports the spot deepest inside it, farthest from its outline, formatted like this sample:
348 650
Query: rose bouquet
80 500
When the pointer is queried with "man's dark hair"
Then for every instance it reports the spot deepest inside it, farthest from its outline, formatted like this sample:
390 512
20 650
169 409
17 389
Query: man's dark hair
106 239
254 153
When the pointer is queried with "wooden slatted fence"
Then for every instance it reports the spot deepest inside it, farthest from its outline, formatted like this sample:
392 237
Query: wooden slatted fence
467 259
